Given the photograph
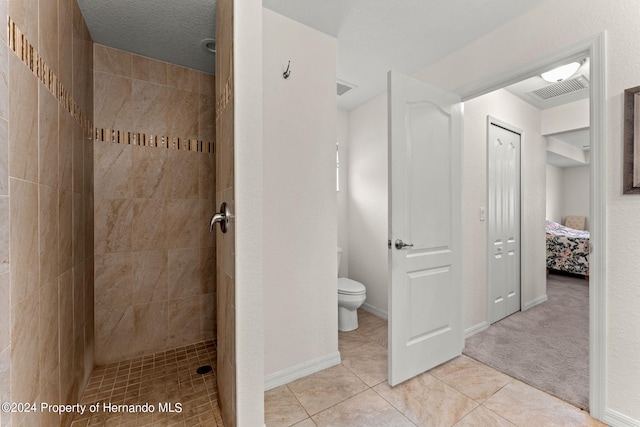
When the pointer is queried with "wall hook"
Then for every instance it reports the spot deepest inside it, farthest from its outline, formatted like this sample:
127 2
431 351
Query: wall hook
287 72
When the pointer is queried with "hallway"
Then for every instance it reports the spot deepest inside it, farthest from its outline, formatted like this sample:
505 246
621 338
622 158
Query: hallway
462 392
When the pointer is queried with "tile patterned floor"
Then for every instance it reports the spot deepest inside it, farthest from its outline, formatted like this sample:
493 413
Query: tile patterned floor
166 377
460 393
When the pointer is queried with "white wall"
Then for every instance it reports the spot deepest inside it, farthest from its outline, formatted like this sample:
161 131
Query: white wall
343 194
575 189
554 193
247 27
300 203
513 111
571 116
542 31
368 190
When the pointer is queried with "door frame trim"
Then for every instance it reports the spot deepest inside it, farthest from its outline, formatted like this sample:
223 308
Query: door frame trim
595 48
492 120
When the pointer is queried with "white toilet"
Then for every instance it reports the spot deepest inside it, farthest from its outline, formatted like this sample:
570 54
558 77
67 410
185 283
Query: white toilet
351 296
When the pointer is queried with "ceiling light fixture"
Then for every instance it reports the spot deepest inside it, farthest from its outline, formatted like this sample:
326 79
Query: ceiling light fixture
209 45
561 73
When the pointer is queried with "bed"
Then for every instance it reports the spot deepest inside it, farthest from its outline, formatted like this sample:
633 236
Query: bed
567 249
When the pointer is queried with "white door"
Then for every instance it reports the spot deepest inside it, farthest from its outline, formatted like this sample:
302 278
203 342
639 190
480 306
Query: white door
425 289
503 214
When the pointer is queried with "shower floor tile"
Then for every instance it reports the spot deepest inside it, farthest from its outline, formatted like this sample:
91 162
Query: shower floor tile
162 389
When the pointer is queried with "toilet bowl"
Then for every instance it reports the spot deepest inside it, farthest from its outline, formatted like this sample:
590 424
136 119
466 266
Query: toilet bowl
351 295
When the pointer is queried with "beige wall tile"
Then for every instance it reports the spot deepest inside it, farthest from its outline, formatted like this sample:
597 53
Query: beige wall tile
112 174
50 392
48 45
148 69
207 84
207 181
151 325
208 316
183 78
150 172
208 270
65 42
112 61
114 232
114 280
149 230
25 259
25 15
113 334
23 113
47 137
48 207
182 113
112 102
207 208
182 222
5 380
25 337
183 182
149 107
49 333
5 311
78 304
77 173
79 238
65 149
65 303
207 118
65 230
184 273
184 326
5 235
4 79
150 276
4 157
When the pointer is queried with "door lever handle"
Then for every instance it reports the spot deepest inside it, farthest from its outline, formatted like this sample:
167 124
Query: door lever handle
401 245
222 218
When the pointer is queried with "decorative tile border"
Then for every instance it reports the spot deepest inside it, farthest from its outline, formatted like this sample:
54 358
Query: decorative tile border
21 46
148 140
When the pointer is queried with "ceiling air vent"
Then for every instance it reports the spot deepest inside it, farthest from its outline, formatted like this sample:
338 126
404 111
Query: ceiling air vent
344 87
561 88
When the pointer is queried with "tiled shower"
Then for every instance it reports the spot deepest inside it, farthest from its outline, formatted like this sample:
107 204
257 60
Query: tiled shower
107 183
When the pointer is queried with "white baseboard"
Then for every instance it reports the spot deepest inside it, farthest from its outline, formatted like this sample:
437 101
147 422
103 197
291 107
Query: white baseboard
617 419
482 326
301 370
535 302
374 310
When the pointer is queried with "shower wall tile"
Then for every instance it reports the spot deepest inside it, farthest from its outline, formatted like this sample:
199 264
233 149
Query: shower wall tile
78 177
113 334
65 150
184 320
47 45
153 207
147 69
25 352
183 78
50 392
151 326
150 282
47 137
65 230
48 233
112 100
112 172
23 109
5 236
4 76
152 170
49 328
184 273
149 230
4 157
65 302
115 218
114 280
183 182
5 311
112 61
5 381
207 118
149 106
78 237
25 14
25 259
65 42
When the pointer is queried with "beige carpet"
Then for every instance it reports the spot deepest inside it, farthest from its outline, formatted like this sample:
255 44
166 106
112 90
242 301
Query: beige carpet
547 346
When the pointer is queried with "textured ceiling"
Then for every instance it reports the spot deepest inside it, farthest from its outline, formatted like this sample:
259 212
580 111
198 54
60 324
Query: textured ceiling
168 30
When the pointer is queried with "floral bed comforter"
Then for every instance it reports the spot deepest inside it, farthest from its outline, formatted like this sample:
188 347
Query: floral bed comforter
567 249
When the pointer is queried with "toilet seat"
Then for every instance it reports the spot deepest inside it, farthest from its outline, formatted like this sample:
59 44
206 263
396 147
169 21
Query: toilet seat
350 287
